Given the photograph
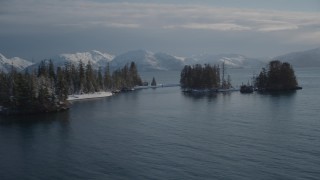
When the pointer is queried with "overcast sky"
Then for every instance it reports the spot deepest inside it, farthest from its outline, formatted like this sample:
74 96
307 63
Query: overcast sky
257 28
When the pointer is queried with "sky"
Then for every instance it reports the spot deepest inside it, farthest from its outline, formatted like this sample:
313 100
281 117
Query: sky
39 29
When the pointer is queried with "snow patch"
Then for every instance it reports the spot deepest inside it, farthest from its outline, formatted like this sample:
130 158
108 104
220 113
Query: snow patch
180 58
88 96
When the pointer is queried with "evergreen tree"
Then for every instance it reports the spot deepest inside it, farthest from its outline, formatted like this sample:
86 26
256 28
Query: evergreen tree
4 88
116 79
22 97
153 83
82 78
61 85
68 77
76 78
261 80
100 83
136 80
33 88
43 69
90 83
288 77
51 72
126 79
107 78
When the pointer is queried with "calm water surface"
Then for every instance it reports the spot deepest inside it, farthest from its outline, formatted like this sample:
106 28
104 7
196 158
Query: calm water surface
165 134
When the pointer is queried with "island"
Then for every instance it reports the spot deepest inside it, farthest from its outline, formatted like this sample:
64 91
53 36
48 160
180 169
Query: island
207 78
47 89
279 76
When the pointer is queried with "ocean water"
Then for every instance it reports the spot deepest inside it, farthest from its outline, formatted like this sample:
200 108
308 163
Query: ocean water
166 134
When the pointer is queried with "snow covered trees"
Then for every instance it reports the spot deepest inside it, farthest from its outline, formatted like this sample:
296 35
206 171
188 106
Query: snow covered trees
47 88
24 92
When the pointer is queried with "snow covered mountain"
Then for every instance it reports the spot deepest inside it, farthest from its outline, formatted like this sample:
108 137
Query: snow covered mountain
96 58
148 61
18 63
231 60
309 58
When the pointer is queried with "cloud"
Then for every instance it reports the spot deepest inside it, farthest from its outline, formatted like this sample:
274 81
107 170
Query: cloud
93 14
271 25
208 26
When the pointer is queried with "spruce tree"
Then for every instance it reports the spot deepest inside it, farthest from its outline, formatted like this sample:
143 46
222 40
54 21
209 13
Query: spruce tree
100 83
51 72
90 83
82 78
107 78
61 85
153 83
136 80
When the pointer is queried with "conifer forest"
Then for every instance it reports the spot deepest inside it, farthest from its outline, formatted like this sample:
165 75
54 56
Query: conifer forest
47 88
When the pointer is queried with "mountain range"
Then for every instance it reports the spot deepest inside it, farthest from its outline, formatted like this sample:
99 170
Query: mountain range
308 58
149 61
96 58
19 64
230 60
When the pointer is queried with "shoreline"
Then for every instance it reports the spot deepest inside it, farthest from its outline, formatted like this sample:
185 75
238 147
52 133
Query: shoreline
101 94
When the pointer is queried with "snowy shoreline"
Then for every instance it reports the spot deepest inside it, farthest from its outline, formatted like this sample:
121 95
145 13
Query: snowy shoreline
88 96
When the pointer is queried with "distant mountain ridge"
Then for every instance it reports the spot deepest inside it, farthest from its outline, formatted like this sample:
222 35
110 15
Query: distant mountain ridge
149 61
308 58
96 58
230 60
18 63
145 60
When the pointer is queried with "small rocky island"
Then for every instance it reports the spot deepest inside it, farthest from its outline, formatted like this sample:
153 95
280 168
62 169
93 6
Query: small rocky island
207 78
279 76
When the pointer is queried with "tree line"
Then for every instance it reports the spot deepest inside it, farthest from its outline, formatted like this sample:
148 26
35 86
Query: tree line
47 88
278 76
203 77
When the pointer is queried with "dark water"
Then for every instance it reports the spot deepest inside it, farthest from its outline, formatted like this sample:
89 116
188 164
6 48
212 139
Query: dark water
165 134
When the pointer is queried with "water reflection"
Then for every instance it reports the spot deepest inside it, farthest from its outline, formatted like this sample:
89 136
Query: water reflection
33 119
279 93
198 96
